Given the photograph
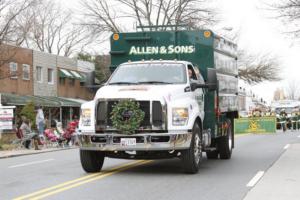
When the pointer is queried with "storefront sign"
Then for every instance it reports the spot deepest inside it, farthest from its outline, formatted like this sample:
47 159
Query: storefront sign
86 117
6 118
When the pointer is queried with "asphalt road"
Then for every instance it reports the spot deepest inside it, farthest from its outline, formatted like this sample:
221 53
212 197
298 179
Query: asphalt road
58 175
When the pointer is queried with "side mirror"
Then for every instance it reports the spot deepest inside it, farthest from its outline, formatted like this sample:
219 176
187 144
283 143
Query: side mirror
212 81
211 84
194 86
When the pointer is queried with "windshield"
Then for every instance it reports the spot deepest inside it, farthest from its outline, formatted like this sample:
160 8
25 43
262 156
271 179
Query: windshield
149 73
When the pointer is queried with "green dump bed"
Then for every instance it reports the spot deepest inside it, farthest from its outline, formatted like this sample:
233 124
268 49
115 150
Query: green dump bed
202 47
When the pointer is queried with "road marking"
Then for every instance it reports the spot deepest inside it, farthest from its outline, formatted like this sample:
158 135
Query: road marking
286 146
31 163
255 179
241 135
298 136
80 181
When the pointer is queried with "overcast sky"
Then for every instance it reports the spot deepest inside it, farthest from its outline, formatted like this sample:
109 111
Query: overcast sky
259 33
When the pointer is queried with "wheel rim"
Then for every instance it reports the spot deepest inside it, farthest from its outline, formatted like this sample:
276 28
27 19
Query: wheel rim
197 149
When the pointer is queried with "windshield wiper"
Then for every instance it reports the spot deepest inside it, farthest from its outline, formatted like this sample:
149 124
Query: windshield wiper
153 82
123 83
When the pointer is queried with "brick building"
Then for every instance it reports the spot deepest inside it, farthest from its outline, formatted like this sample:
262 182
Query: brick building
17 72
54 82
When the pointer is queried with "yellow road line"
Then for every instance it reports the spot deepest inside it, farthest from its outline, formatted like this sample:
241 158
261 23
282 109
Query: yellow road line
89 180
74 181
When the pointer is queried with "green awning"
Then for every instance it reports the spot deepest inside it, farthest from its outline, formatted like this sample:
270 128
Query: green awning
83 79
63 73
18 100
63 102
76 75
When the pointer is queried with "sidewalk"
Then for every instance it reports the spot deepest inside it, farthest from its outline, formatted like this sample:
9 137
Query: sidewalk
21 152
282 180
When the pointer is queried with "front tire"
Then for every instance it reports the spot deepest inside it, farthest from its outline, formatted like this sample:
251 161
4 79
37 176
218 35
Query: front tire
91 161
226 143
192 157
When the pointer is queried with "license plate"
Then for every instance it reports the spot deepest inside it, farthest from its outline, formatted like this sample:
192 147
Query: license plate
128 141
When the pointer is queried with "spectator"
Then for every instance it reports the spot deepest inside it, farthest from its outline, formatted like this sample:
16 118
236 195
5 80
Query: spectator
40 121
26 129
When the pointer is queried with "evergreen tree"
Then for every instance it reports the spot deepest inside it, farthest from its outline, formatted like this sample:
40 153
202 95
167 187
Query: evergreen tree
29 112
101 65
85 57
99 68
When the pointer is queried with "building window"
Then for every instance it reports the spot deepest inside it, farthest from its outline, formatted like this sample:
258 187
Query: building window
39 76
13 68
50 76
26 72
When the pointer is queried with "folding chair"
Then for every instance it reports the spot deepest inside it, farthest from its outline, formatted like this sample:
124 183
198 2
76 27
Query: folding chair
21 139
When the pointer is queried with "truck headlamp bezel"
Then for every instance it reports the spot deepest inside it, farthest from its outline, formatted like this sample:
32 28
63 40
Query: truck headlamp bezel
180 116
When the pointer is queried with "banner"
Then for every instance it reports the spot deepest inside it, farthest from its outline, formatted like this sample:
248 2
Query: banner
255 125
6 118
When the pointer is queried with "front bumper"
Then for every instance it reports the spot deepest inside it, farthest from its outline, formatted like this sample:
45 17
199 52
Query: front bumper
145 142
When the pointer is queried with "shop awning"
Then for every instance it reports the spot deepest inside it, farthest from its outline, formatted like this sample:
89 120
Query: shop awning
80 101
83 79
64 102
18 100
63 73
75 74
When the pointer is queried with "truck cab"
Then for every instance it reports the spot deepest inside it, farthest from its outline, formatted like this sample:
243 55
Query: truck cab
179 105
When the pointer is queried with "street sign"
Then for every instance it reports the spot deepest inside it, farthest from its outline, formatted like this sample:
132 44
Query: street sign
6 118
255 125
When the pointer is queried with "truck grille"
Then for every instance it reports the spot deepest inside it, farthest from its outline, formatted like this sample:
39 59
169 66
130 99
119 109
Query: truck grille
153 117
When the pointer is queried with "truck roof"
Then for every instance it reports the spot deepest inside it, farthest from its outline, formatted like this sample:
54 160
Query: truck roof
157 61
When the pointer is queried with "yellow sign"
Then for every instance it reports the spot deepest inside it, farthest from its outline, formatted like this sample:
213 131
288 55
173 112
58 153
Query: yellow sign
255 125
116 36
207 34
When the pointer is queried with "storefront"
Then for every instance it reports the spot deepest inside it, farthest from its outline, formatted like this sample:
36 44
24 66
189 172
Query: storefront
55 108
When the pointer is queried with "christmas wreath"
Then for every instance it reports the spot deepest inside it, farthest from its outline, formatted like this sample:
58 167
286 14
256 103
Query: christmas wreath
127 116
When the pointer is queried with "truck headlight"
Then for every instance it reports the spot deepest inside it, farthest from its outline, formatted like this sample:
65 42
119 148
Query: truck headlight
180 116
85 117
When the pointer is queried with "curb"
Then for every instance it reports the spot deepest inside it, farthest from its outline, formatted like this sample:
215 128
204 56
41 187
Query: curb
36 152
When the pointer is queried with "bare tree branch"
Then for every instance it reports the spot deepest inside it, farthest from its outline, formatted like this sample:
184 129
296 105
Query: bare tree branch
52 30
256 69
292 90
11 33
288 11
100 16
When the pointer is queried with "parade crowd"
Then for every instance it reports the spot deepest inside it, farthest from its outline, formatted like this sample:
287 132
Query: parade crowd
285 121
45 133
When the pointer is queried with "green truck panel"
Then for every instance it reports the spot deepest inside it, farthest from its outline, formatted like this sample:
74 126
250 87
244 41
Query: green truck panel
201 47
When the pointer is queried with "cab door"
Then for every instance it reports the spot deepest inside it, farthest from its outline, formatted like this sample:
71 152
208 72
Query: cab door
198 94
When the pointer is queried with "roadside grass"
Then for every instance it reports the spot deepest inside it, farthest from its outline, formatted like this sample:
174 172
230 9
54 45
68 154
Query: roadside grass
6 141
6 147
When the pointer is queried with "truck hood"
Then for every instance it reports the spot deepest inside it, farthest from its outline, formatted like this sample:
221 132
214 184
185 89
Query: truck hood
141 92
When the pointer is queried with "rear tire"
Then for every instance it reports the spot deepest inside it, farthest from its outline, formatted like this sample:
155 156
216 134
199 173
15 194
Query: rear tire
192 157
91 161
226 142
